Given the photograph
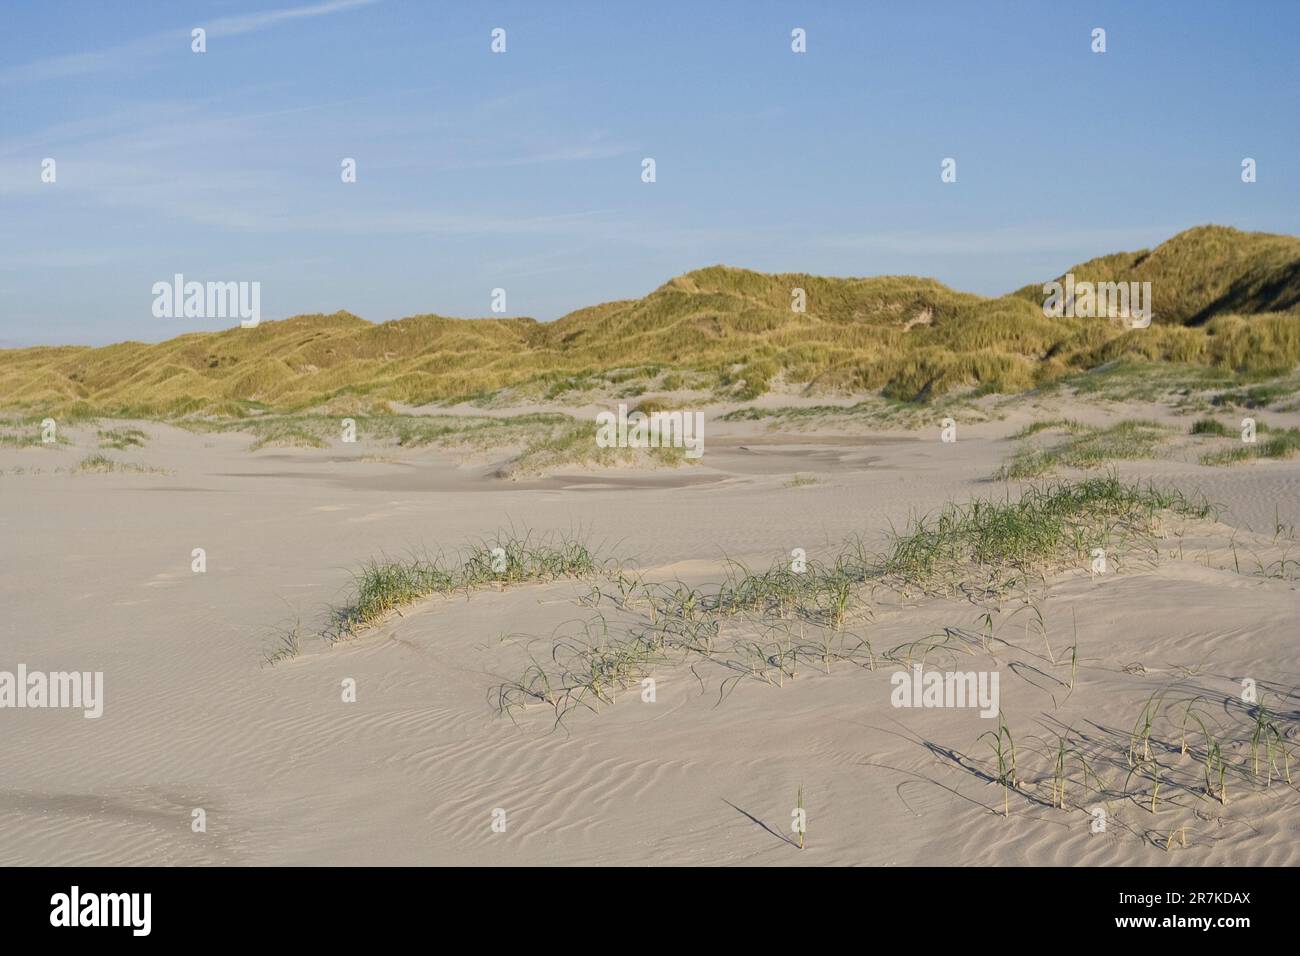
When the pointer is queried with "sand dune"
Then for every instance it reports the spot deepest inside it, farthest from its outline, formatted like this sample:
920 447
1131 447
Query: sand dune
96 576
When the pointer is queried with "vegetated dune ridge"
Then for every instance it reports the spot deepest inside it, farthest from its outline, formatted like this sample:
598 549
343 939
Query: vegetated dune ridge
96 575
1222 298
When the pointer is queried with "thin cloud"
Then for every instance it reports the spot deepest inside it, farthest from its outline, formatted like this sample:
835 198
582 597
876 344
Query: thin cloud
248 23
80 64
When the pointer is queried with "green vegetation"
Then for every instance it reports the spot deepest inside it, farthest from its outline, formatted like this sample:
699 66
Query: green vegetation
26 439
999 545
875 412
1257 396
99 464
1171 714
121 438
1055 424
542 441
1204 272
1224 302
382 587
1004 750
1210 426
1086 447
761 626
1280 444
574 445
26 431
283 433
287 644
317 430
1136 379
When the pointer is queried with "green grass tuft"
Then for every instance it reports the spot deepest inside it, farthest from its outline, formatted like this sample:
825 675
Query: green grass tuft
381 587
121 438
1210 426
1280 444
1005 543
1088 447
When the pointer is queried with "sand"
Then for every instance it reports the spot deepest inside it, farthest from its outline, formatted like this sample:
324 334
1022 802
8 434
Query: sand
96 576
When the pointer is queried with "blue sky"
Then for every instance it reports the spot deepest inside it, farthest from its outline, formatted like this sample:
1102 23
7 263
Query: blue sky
522 170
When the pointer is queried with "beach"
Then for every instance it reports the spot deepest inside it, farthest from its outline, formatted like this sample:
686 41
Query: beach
434 761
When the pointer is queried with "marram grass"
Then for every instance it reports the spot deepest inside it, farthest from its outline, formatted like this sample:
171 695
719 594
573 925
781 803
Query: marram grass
1224 300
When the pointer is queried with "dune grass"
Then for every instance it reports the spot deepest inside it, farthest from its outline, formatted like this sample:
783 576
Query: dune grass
1257 396
1132 378
1086 447
1210 731
542 441
1280 444
316 429
1225 316
764 625
575 446
1003 746
383 586
121 438
1210 426
1055 424
1000 544
875 412
100 464
281 433
23 439
1182 744
26 432
286 646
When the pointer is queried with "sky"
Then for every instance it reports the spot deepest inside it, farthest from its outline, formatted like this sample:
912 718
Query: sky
522 170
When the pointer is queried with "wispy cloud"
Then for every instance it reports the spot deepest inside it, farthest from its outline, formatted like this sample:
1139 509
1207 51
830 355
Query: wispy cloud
233 26
134 51
187 162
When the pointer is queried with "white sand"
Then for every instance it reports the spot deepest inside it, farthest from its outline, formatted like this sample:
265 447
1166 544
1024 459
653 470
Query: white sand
95 575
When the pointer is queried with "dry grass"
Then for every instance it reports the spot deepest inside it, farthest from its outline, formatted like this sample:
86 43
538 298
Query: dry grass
1224 301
